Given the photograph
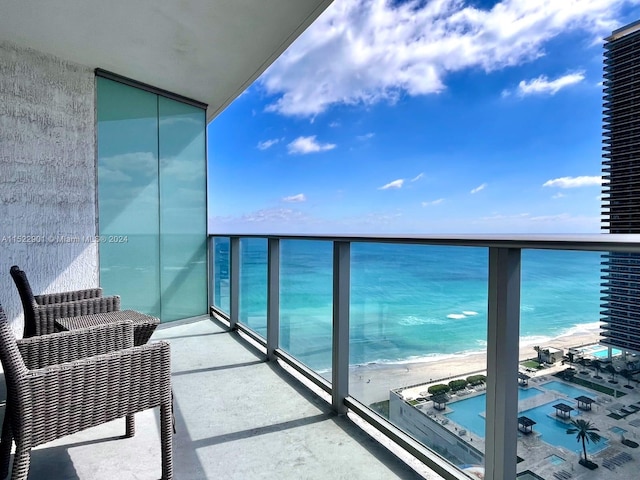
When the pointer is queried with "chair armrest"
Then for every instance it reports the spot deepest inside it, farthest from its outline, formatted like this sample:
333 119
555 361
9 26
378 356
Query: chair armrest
57 348
69 296
77 395
46 315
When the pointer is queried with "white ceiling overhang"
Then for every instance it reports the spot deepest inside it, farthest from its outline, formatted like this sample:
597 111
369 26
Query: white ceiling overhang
206 50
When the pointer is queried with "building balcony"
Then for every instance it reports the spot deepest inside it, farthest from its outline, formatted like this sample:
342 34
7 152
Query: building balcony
237 417
305 368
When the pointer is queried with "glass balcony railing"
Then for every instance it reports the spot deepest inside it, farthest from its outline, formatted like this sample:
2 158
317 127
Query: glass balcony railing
479 356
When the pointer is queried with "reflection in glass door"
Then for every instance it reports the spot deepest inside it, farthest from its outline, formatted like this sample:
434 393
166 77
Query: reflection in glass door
152 201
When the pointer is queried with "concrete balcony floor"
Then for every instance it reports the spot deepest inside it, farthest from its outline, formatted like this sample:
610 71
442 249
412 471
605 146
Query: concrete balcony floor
237 417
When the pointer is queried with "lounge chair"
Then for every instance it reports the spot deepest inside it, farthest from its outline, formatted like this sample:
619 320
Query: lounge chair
41 311
94 374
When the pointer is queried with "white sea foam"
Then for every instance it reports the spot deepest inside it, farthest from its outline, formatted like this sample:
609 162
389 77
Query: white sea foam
456 316
413 320
532 340
433 357
481 344
581 328
576 329
469 313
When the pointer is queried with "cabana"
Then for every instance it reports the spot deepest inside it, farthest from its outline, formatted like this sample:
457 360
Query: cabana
584 403
440 401
525 424
563 410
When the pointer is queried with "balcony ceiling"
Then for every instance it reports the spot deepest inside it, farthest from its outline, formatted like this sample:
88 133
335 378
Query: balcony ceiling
207 50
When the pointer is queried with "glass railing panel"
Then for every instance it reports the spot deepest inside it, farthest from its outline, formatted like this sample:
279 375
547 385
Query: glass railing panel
571 374
418 336
306 296
253 284
221 274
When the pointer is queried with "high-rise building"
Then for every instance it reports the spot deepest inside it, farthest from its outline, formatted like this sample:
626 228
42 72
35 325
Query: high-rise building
621 186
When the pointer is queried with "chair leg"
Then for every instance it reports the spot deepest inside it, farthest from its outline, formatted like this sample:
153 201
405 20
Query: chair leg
131 426
166 440
5 445
21 462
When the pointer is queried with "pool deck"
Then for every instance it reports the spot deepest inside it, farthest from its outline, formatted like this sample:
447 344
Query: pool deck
616 460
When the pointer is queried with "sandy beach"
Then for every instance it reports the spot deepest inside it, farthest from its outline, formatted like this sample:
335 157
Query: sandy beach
371 383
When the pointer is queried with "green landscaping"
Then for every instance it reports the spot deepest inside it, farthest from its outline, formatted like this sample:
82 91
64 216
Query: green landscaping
531 364
593 386
476 380
439 388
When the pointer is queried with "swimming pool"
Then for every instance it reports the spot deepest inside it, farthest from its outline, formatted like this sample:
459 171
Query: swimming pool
600 352
604 353
618 430
568 390
554 431
468 413
555 460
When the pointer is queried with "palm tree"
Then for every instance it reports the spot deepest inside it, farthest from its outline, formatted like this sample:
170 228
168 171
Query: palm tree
598 366
571 358
585 432
539 352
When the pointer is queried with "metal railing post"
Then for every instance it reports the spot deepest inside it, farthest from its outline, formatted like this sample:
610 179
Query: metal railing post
273 297
340 350
503 345
234 281
211 272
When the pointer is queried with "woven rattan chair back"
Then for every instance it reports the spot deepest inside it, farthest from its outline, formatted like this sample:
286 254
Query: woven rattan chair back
12 363
26 297
96 389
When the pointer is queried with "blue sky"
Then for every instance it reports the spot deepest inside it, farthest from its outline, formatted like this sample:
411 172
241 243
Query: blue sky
425 116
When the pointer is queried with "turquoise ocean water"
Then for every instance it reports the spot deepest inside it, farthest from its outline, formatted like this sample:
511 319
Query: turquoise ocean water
409 302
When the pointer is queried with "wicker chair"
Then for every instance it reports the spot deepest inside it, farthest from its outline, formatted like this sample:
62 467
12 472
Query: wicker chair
41 311
61 384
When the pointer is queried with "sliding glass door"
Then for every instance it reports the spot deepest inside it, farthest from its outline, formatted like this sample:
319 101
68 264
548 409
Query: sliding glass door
152 201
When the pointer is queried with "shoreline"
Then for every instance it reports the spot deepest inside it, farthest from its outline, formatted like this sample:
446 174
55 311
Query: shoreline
371 382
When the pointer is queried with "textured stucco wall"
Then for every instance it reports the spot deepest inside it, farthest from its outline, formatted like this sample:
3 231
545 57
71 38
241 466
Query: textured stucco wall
47 174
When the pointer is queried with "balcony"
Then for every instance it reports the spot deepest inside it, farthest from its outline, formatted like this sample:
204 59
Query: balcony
367 286
237 417
258 394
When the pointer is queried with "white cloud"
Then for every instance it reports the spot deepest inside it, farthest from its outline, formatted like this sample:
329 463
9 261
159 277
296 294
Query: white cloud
269 215
267 143
417 177
300 197
334 124
395 184
558 195
304 145
366 136
574 182
521 223
368 51
433 202
479 188
542 85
